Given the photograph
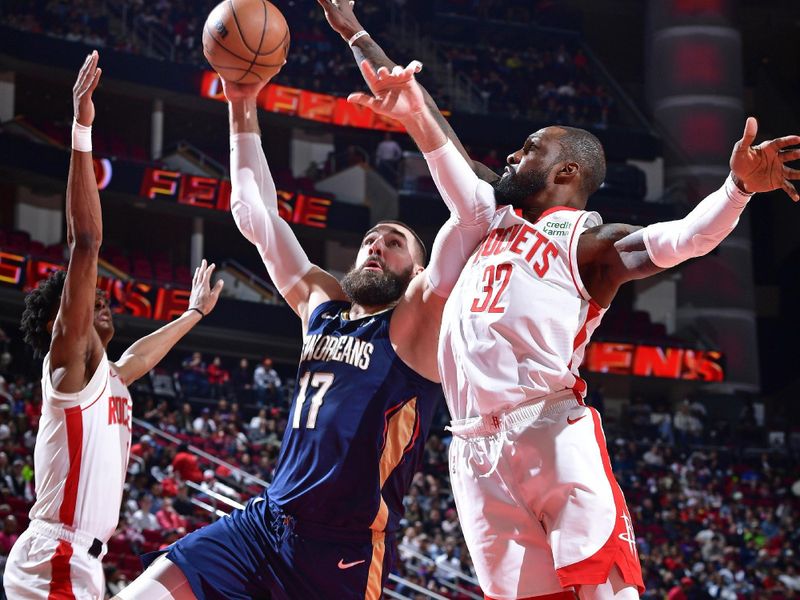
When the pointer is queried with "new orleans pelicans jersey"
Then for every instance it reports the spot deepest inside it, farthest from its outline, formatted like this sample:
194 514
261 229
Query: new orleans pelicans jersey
82 450
357 425
516 326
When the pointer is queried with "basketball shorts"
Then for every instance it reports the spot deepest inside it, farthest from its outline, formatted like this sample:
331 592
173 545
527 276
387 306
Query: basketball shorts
538 504
261 553
50 561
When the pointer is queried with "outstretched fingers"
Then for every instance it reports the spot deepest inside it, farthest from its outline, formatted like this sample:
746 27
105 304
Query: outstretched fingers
785 141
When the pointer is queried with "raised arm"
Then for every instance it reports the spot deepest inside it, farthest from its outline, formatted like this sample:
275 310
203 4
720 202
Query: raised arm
147 352
76 348
254 204
470 200
610 255
343 21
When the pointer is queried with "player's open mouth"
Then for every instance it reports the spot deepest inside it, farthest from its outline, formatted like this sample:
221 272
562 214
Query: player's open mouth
372 265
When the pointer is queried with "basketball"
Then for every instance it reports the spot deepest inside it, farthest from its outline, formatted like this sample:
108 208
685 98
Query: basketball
246 41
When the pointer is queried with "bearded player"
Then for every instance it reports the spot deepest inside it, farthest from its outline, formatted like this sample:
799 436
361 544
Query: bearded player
541 511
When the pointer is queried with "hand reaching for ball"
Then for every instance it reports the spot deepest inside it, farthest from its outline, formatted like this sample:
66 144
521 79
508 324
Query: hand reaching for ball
242 91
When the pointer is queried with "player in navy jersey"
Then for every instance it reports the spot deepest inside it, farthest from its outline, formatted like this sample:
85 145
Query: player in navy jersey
367 384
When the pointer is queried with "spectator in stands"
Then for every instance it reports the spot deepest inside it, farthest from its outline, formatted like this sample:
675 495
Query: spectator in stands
186 465
242 380
144 518
9 534
194 378
169 519
218 378
266 383
182 503
204 424
387 158
20 484
688 428
213 484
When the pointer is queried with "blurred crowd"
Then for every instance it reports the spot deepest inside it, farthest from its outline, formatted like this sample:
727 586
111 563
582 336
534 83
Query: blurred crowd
554 86
711 521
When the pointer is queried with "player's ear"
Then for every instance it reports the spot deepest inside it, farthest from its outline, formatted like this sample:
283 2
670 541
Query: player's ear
567 173
417 270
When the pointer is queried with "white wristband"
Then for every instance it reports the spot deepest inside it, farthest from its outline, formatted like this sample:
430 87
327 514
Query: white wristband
356 36
81 137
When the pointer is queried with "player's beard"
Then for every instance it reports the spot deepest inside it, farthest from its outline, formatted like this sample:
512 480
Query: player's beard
516 188
372 288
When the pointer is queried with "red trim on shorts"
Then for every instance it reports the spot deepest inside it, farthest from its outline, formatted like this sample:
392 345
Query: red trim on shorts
60 578
619 549
556 596
74 422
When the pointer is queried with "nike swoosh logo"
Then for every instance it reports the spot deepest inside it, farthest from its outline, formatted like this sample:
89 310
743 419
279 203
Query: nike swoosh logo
343 565
573 421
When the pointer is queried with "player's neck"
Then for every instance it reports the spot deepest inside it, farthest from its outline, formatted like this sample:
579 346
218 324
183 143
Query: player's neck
359 312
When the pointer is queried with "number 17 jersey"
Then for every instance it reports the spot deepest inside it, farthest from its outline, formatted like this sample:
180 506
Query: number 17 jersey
516 326
357 425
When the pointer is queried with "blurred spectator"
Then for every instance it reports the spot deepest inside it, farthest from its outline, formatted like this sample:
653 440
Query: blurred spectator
204 424
242 381
266 383
9 534
185 465
218 378
169 519
211 483
194 378
387 158
688 428
143 519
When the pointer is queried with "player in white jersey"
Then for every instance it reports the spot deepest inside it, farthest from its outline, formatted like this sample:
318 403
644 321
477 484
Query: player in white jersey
541 511
82 448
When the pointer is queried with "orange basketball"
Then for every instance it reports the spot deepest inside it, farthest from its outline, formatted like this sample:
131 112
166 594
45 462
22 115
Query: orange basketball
246 41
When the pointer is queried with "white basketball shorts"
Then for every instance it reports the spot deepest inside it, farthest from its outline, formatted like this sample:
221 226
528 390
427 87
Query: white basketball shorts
539 506
47 561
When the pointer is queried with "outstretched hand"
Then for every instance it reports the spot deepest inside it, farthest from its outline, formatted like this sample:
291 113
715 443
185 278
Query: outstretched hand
88 78
396 93
762 168
341 18
203 296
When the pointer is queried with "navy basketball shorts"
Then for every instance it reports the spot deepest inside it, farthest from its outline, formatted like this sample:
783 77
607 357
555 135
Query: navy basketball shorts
261 553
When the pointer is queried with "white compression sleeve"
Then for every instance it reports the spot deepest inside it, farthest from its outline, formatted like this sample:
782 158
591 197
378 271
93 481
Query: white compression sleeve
254 205
699 232
472 206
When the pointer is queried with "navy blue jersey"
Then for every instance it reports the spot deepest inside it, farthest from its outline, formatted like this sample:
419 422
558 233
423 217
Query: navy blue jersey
357 427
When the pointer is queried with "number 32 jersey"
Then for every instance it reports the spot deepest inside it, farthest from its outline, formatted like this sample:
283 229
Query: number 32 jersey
357 427
516 326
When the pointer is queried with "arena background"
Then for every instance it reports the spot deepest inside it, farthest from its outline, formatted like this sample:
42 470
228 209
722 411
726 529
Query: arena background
694 370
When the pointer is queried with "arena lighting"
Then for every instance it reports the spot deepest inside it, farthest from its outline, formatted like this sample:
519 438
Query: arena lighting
654 361
130 297
306 105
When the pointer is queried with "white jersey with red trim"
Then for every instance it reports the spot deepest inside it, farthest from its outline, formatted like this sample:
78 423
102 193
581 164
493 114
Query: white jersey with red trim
82 450
516 326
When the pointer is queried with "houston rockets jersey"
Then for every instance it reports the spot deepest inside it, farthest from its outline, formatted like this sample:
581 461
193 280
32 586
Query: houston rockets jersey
82 450
357 426
516 326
